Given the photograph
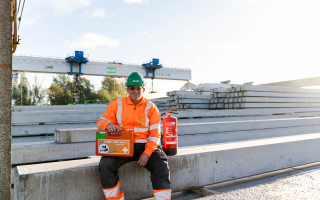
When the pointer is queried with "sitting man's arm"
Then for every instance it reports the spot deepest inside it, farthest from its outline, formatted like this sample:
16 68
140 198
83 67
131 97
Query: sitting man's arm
154 131
109 119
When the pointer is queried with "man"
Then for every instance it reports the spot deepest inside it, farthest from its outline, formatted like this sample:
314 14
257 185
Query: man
135 112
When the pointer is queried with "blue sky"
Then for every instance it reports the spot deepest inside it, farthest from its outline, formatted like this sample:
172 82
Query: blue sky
239 40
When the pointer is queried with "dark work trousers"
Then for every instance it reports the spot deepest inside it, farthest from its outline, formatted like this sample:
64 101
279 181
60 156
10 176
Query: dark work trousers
157 165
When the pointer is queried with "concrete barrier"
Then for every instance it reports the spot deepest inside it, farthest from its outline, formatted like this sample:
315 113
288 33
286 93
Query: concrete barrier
193 167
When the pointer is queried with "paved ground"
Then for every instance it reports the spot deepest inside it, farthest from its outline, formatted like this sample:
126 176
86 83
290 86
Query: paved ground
297 184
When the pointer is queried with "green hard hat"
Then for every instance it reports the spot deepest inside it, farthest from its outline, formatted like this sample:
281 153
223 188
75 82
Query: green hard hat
135 78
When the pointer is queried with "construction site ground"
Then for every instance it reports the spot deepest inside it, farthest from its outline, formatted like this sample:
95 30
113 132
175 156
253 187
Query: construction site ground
301 182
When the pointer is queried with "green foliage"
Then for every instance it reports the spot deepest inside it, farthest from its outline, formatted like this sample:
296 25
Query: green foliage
112 89
60 91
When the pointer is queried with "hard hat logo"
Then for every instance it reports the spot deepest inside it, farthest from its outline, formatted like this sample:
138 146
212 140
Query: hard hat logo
135 78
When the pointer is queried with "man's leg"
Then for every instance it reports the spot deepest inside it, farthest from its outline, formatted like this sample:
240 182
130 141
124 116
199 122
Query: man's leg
108 167
160 175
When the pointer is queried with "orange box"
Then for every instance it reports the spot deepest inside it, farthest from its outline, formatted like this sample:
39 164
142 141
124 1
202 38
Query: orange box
116 144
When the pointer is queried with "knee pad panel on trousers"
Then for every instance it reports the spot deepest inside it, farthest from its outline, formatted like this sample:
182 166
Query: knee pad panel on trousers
159 169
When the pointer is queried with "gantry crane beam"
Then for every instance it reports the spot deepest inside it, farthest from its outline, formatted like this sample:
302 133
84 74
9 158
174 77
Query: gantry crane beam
60 66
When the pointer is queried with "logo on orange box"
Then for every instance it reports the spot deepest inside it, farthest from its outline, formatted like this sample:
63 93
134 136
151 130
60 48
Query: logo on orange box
110 146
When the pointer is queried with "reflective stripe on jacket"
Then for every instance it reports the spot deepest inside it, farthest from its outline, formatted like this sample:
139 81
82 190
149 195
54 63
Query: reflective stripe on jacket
144 118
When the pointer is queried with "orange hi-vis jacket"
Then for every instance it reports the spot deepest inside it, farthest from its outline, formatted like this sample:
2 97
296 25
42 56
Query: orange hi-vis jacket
144 118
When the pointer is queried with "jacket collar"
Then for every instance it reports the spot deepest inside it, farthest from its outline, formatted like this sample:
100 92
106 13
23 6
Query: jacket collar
129 102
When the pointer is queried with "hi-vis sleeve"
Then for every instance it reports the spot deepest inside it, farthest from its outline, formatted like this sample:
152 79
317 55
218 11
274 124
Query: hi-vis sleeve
109 117
154 130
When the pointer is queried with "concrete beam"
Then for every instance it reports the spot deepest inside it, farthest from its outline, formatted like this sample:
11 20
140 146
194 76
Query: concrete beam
215 127
60 116
182 96
251 112
277 100
193 167
276 89
58 107
204 101
278 94
314 81
195 106
187 128
32 139
222 137
27 130
279 105
46 151
228 119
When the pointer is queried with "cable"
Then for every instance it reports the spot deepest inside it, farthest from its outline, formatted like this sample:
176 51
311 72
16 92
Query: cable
21 14
19 6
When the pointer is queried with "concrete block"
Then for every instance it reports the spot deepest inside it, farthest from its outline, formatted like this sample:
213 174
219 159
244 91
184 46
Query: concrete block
193 167
46 151
31 129
182 96
62 136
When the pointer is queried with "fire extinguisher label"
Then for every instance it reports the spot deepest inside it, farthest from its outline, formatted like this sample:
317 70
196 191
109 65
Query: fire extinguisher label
170 130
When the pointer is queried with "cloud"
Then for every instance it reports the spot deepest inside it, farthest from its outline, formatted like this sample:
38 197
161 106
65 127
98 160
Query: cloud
225 45
96 13
187 46
28 21
63 6
250 1
145 33
199 58
136 1
92 41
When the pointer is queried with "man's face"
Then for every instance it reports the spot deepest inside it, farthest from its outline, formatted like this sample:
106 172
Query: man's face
135 92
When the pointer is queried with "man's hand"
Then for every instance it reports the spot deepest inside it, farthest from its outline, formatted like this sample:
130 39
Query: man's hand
143 160
113 128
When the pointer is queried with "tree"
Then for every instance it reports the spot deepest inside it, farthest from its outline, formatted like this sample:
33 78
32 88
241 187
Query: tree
16 92
59 92
36 92
112 89
31 95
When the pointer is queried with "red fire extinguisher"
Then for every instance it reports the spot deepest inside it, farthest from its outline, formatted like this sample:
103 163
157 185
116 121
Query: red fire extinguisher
170 134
